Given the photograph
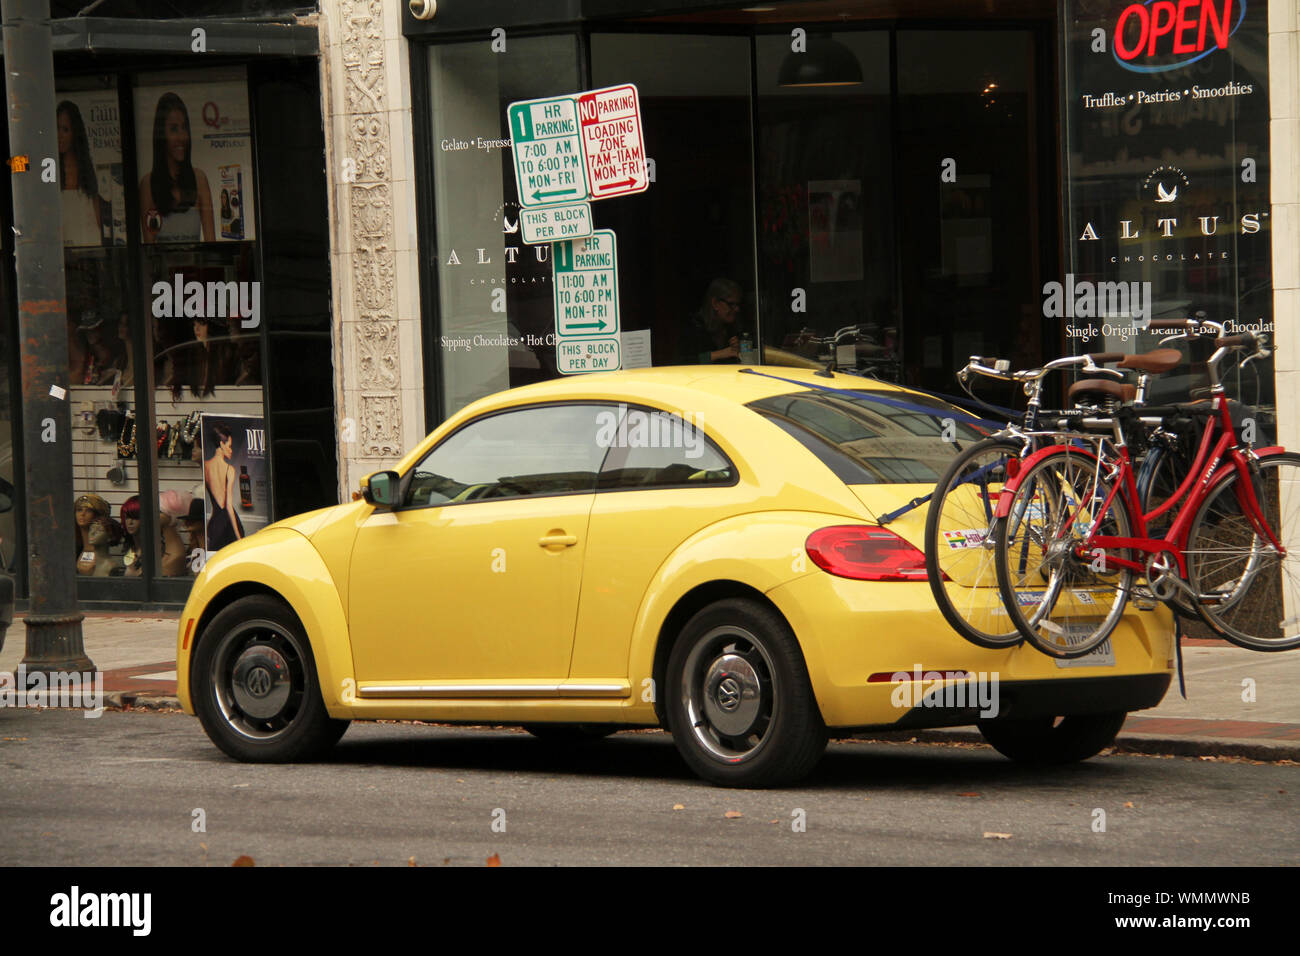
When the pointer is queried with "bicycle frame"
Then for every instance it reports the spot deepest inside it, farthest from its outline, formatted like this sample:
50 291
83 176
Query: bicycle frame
1204 476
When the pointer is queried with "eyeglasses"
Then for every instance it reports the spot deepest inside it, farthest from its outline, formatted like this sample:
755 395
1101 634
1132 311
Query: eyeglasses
734 303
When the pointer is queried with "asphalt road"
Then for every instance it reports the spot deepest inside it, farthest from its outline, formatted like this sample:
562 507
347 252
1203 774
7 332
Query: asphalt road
123 789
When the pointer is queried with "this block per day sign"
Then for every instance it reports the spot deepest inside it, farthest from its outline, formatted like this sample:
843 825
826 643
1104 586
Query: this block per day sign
547 151
585 279
612 142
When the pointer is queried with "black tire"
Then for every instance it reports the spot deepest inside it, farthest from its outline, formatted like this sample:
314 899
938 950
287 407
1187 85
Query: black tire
1050 594
255 688
955 508
1042 740
1222 548
740 706
571 733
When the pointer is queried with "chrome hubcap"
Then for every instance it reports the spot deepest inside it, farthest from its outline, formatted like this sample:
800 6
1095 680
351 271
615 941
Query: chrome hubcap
259 679
732 696
260 682
728 694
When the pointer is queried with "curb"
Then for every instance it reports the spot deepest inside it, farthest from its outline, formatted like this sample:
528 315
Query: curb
1158 745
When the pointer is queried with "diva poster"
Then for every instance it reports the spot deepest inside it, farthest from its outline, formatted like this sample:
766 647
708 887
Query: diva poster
236 489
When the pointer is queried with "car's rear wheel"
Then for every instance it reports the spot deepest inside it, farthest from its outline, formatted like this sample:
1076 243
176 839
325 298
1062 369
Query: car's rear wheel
1053 740
740 706
571 733
255 686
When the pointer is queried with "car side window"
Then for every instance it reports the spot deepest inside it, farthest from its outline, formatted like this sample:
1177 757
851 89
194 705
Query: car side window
527 452
655 449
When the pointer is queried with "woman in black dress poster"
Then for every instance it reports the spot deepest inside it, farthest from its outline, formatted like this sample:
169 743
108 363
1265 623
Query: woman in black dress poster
220 478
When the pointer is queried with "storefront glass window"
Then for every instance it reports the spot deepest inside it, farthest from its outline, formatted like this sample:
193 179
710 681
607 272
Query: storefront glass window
101 331
495 297
1167 175
825 202
695 225
196 204
970 238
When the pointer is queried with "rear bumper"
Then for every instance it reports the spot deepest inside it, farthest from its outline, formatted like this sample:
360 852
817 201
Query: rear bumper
1018 700
874 650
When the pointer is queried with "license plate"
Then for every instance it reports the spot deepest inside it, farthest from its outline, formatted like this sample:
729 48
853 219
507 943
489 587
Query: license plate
1103 655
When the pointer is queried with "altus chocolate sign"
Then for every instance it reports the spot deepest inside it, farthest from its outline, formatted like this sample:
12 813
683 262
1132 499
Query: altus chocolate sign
1161 35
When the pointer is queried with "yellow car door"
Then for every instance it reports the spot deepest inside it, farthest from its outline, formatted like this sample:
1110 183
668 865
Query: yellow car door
475 578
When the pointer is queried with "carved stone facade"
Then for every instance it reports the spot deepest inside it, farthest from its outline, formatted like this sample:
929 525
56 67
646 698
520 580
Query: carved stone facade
378 374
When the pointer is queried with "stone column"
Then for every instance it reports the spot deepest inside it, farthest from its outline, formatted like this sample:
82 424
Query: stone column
1284 172
378 373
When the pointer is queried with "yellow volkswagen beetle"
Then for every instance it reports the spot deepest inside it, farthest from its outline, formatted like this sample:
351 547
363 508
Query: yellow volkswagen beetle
727 552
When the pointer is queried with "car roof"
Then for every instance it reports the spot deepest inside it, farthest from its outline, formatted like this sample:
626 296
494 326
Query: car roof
736 383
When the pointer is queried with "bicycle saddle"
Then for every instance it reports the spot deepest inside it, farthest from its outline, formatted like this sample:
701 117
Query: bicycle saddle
1155 362
1101 389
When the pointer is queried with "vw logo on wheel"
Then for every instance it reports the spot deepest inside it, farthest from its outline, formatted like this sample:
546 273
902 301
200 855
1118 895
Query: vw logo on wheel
259 682
728 693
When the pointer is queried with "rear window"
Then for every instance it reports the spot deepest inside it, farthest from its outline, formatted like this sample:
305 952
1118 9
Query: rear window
872 436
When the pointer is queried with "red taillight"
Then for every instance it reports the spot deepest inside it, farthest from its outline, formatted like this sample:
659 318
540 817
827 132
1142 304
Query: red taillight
865 554
1013 467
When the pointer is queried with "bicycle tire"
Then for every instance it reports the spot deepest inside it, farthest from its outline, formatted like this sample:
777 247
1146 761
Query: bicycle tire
1262 601
1056 600
969 601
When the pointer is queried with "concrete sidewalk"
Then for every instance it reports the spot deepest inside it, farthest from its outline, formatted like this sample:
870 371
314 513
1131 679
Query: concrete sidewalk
137 655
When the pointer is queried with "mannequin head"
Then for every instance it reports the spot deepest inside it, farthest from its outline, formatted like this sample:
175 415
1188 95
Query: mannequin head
90 507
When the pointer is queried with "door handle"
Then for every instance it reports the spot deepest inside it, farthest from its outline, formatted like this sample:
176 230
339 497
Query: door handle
558 539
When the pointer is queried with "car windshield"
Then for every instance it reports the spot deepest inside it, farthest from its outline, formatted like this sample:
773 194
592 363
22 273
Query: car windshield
873 436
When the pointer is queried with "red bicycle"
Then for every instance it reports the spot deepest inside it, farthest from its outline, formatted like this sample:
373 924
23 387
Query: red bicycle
1072 538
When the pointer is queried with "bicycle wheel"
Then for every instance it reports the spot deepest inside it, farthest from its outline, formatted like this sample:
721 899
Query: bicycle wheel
1063 604
959 559
1249 593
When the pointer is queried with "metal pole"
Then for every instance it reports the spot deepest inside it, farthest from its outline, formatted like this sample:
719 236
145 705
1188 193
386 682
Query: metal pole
54 640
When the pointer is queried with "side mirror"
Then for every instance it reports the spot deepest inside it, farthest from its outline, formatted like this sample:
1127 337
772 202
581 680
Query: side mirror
381 488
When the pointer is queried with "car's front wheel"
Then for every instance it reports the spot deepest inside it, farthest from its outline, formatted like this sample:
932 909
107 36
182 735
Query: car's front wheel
1053 740
255 686
740 706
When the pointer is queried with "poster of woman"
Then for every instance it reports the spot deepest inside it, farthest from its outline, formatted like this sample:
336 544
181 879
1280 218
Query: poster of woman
236 500
90 167
194 140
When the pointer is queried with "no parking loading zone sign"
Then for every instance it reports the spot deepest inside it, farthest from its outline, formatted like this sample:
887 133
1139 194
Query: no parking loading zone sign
568 150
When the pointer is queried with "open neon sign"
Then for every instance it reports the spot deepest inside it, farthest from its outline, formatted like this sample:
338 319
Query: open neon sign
1159 28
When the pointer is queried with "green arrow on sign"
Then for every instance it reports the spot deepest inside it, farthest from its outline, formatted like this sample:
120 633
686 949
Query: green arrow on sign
599 326
554 192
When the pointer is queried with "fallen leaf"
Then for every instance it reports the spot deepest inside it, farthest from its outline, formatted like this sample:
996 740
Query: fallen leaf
244 861
773 821
679 806
733 814
990 835
446 860
969 793
1128 804
494 860
204 847
410 861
